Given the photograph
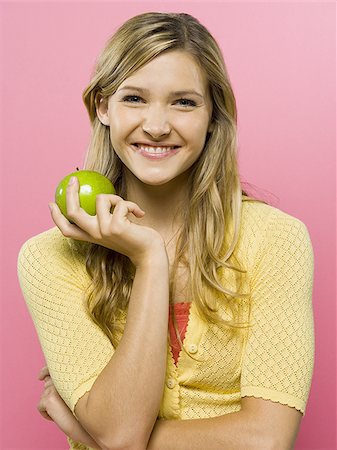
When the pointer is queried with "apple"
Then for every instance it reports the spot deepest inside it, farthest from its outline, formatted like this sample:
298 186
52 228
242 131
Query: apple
91 183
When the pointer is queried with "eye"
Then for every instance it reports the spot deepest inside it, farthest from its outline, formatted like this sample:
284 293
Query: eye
186 102
132 99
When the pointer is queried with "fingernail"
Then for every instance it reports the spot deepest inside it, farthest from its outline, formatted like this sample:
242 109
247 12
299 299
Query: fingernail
72 180
50 205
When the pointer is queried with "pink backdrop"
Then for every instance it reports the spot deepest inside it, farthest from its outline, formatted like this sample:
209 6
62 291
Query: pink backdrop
281 60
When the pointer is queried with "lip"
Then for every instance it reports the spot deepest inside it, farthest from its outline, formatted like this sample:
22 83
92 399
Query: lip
155 144
155 156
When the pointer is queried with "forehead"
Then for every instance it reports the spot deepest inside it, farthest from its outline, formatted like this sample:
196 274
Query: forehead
172 69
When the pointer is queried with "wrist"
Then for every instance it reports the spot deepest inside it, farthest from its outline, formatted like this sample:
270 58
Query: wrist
155 257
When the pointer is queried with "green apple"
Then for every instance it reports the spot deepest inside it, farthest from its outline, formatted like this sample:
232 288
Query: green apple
91 184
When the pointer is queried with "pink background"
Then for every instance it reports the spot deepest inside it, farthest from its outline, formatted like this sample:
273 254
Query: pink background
281 59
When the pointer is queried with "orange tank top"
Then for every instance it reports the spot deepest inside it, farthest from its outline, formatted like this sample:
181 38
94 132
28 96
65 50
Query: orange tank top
182 311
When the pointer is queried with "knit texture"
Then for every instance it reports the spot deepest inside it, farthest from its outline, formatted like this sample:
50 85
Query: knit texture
272 360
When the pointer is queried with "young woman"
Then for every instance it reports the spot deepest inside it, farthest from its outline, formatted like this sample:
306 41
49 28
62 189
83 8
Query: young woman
182 298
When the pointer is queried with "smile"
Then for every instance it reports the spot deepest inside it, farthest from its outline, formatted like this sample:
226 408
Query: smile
155 152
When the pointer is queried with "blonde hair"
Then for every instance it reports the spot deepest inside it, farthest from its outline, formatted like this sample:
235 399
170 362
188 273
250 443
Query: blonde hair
214 184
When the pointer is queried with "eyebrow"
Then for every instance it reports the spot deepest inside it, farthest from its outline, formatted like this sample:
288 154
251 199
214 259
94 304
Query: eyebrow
175 93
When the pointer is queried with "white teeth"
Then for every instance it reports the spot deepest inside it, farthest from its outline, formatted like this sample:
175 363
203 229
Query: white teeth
155 149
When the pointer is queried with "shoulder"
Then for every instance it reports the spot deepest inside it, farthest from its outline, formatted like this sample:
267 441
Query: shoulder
48 239
260 212
48 244
263 219
50 249
264 226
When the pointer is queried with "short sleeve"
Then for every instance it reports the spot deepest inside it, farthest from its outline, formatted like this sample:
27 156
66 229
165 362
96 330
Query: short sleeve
279 355
53 282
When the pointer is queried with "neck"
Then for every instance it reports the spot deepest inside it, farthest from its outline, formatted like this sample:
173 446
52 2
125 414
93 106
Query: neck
163 205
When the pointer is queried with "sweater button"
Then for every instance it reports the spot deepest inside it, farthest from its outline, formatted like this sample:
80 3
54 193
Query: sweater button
193 348
170 383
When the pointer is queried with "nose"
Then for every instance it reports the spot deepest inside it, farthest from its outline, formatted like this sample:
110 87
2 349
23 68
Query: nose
156 122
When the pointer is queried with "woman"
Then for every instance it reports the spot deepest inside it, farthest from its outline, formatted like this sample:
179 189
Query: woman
181 248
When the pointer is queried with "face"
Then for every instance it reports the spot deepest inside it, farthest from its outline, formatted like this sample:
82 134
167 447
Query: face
159 118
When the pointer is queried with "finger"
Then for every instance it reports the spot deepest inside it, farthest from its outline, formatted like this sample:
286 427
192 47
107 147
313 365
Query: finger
74 210
75 213
48 382
67 229
43 412
45 393
124 207
49 390
135 209
121 208
45 415
43 373
104 202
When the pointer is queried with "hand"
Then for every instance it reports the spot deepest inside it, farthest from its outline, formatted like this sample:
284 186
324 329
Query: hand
113 230
52 407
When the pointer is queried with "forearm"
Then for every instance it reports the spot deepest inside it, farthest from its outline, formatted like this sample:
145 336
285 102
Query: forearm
235 431
130 387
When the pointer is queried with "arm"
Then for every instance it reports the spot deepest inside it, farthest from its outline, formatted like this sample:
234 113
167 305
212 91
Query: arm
117 389
130 387
52 407
259 425
127 388
53 279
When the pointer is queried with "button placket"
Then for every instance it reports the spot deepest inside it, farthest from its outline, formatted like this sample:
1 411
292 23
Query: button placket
195 331
193 348
170 383
179 374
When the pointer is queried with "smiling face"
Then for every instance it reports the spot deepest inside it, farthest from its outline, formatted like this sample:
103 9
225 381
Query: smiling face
159 118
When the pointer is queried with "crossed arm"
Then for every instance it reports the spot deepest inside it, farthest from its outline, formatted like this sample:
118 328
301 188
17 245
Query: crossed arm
259 425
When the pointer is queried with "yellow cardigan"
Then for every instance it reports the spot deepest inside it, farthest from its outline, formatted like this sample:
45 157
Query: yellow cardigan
272 360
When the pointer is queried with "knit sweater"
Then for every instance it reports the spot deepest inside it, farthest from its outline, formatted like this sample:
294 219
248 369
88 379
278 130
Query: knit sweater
273 359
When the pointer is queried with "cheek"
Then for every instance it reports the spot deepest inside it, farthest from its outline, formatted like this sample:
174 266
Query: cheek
196 141
123 120
193 128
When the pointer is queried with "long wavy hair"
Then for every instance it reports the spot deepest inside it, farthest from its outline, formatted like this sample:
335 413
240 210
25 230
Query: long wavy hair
215 194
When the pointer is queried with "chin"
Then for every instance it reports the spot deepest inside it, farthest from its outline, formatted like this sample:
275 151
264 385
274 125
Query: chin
154 179
156 182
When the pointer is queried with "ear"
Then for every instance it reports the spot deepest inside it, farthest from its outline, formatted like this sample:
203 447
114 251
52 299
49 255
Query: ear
211 127
102 109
